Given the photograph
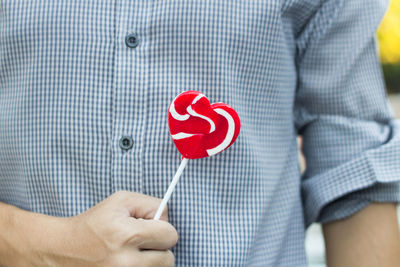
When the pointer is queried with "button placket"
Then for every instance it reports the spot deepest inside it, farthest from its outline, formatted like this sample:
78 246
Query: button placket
129 95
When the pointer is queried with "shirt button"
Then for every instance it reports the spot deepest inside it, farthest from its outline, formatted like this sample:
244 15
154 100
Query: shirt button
132 40
125 142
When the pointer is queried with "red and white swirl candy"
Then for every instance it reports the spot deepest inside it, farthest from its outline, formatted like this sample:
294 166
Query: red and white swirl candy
199 129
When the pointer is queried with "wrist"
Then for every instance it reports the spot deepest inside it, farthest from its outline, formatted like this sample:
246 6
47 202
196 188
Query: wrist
47 238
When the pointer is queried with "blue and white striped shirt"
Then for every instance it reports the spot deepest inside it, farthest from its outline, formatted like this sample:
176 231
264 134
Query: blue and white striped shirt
72 85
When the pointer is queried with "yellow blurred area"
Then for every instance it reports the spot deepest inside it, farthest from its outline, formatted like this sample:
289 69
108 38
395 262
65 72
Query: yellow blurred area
389 34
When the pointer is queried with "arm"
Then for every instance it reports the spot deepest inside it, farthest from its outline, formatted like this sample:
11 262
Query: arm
351 141
108 234
11 245
369 238
25 235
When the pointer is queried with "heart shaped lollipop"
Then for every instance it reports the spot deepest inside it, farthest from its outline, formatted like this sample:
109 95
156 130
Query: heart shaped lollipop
199 129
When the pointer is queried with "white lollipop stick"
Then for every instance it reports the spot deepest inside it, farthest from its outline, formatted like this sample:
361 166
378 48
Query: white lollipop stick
171 188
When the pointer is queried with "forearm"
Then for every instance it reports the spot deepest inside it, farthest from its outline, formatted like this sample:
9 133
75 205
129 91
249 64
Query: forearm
9 247
370 238
26 236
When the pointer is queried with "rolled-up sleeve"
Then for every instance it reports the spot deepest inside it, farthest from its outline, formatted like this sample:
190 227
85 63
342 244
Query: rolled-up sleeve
351 141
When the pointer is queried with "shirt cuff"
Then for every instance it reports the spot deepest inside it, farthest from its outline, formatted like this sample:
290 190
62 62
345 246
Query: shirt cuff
356 201
377 166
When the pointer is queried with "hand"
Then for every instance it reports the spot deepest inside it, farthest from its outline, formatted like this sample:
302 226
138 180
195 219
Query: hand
116 232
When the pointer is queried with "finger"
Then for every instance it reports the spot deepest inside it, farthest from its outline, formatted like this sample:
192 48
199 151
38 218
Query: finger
152 234
164 214
157 258
139 205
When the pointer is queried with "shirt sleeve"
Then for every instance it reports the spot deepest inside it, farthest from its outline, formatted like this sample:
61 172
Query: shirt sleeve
351 141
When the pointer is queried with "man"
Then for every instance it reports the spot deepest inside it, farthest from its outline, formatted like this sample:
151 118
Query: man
85 87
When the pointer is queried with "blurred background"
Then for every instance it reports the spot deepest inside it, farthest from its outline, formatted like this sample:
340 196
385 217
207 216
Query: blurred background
389 52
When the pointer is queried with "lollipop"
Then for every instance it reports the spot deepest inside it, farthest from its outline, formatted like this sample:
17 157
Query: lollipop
199 129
